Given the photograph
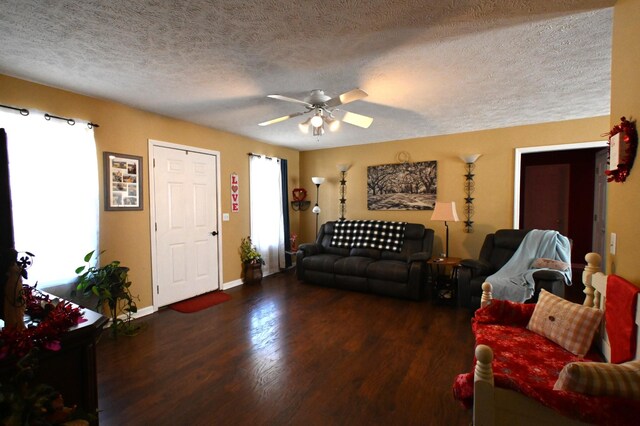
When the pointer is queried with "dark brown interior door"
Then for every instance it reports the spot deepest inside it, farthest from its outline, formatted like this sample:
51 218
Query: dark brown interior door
546 200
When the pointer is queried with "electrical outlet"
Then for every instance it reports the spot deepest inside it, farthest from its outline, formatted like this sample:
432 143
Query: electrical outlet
612 243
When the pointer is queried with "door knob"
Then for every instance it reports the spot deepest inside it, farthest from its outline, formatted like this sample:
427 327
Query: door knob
214 233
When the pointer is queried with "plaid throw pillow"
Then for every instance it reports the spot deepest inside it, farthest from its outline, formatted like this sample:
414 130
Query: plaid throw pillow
601 378
568 324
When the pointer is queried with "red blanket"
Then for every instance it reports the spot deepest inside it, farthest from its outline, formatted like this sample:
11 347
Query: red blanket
620 315
530 364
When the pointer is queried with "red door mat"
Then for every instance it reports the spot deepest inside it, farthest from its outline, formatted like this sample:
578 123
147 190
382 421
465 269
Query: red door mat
201 302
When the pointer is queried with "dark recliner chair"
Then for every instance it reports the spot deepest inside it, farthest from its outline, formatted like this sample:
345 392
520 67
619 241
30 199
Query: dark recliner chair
496 251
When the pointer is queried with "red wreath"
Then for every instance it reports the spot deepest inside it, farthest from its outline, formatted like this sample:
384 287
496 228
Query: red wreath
630 144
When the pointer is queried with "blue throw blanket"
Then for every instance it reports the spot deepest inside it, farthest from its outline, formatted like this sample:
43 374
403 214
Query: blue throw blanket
514 281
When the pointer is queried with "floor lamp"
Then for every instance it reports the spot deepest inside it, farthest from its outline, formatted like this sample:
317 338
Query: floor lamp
316 209
445 211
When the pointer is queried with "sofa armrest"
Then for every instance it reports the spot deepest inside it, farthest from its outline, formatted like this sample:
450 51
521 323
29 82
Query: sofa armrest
548 275
551 280
505 312
478 267
309 249
421 256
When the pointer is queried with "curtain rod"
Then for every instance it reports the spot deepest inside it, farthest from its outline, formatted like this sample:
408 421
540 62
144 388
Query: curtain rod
70 121
251 154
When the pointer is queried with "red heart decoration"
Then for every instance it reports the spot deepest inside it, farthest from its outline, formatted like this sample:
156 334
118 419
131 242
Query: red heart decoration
299 194
234 188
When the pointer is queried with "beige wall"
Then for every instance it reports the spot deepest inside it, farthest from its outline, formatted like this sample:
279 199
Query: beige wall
493 176
624 198
127 130
126 235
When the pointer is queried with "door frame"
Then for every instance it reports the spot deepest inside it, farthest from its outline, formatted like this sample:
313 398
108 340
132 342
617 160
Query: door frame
152 206
544 148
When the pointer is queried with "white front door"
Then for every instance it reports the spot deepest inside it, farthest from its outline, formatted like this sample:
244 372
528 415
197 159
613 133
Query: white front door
186 230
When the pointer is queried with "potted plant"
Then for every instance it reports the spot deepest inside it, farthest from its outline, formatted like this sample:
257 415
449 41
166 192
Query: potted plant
110 284
251 261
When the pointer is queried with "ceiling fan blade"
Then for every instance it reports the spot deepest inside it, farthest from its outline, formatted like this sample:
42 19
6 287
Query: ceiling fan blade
357 119
345 98
279 119
285 98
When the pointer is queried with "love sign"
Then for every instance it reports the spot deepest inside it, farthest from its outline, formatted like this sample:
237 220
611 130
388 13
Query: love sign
235 193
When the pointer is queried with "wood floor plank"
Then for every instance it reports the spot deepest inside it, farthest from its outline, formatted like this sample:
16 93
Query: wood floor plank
288 353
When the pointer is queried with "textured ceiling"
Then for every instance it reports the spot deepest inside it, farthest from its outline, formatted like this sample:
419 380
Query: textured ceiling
430 67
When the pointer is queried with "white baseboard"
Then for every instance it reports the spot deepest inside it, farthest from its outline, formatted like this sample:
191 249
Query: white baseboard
231 284
143 312
148 310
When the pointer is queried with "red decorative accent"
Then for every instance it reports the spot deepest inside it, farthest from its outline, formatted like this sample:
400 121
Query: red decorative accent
299 194
54 319
630 139
530 364
620 315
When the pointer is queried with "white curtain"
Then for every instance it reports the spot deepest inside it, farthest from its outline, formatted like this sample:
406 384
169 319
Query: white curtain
54 191
267 228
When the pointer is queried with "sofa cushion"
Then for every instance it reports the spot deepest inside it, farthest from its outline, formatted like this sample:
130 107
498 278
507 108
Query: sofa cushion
365 252
568 324
352 265
601 378
389 270
321 262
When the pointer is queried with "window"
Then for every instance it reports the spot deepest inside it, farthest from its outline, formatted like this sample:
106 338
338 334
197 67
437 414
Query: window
267 216
54 192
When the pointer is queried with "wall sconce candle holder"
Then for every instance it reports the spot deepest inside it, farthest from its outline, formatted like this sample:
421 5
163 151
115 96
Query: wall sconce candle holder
469 188
342 168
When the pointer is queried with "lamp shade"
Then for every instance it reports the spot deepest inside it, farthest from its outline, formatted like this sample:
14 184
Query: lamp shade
317 180
343 167
445 211
470 158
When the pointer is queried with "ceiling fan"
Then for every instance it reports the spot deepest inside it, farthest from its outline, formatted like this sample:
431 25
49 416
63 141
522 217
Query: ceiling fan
323 110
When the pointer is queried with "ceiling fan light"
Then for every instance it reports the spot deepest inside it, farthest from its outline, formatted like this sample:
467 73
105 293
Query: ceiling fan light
304 126
318 131
316 121
333 124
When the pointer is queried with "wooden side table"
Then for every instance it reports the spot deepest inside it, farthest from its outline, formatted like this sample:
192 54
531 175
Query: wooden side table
443 273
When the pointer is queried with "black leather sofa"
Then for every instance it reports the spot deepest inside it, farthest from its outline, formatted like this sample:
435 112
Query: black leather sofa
398 274
496 250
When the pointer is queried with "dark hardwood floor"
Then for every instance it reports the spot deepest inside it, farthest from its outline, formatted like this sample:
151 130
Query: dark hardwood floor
283 352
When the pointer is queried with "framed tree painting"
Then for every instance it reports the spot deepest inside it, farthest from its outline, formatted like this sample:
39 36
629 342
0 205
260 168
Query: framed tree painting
405 186
122 181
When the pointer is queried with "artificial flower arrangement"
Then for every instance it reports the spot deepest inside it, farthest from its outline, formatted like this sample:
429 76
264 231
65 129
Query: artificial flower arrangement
23 399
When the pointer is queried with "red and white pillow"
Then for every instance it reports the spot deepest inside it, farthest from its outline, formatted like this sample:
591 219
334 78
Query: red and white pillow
568 324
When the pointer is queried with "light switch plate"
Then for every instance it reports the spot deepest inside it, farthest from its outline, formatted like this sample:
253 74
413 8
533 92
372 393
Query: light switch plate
225 217
612 243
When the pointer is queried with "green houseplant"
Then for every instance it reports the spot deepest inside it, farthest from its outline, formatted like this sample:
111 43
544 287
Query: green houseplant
111 285
252 261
